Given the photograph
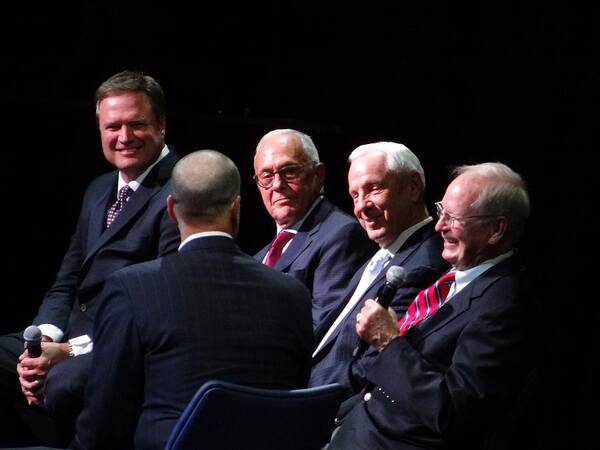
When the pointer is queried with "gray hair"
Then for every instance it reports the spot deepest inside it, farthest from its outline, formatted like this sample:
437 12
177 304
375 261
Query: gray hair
204 183
306 143
503 194
132 81
399 158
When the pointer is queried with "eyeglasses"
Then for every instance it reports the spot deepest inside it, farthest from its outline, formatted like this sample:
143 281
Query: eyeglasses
287 173
451 219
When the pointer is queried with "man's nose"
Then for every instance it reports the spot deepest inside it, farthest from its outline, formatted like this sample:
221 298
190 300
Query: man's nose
278 181
361 203
125 134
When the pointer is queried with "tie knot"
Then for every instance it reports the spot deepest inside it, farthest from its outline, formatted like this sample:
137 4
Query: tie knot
447 278
282 238
124 193
379 259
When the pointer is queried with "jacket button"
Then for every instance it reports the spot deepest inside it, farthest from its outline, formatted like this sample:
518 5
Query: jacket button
83 307
367 397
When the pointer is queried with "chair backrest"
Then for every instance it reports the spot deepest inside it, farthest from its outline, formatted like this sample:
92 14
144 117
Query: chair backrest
229 416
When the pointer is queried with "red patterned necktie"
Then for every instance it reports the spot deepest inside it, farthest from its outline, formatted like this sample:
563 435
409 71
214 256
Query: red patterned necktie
277 247
124 194
426 303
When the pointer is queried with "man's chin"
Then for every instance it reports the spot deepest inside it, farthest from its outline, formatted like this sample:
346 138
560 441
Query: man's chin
285 216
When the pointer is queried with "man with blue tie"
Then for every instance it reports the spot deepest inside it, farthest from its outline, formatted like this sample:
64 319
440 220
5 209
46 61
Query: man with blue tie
316 242
387 185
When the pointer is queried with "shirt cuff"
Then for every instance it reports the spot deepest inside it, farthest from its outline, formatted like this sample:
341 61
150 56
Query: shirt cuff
80 345
54 333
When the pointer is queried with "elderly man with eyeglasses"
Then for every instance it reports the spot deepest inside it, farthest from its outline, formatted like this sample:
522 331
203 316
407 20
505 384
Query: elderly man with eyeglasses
316 242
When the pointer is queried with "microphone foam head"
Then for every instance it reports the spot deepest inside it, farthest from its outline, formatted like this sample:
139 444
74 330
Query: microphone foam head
32 333
395 275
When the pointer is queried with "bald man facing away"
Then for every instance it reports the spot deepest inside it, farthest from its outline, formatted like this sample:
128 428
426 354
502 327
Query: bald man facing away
207 312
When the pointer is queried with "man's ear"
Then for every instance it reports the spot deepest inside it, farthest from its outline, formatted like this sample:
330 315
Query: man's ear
171 209
415 186
499 227
235 211
320 174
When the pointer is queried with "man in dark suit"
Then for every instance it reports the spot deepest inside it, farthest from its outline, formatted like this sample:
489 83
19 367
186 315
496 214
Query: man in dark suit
113 231
326 246
450 379
207 312
387 183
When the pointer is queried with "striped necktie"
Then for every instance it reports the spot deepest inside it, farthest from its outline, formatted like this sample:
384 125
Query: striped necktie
427 302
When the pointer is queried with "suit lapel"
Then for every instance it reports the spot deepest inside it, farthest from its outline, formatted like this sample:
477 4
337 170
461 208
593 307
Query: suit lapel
461 302
98 214
151 185
407 249
304 236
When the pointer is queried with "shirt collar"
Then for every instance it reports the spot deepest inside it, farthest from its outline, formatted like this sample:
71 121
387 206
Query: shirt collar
464 277
134 184
403 237
203 234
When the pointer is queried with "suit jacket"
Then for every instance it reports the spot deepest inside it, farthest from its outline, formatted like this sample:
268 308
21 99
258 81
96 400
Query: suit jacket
142 231
421 258
169 325
451 378
328 249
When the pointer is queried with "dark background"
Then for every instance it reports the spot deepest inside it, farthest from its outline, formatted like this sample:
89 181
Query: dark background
457 82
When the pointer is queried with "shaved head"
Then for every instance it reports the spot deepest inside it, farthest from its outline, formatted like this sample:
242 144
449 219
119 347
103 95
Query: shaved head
205 183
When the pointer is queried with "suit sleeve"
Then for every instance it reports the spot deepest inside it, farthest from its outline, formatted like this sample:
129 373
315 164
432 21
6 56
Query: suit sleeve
344 253
486 362
114 391
58 301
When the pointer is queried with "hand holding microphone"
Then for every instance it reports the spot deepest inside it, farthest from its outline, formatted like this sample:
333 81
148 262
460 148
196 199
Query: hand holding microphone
29 376
395 277
33 341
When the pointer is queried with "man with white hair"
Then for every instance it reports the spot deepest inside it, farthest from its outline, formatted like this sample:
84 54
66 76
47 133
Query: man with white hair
316 242
387 184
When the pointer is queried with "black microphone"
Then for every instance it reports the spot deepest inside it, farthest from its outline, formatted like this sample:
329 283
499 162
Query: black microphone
395 277
33 339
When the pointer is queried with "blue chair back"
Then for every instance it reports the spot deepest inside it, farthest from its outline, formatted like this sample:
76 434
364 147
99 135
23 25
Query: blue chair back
227 416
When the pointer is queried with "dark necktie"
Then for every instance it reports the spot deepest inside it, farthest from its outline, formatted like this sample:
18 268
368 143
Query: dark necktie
282 238
124 194
426 303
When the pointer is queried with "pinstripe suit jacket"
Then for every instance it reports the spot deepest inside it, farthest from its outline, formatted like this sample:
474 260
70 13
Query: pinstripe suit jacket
421 258
169 325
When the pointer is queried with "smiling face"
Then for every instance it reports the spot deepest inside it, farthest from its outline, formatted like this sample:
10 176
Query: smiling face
471 241
287 201
132 137
383 201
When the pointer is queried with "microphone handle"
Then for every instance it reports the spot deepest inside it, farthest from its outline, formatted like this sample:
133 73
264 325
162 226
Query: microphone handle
384 298
34 348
